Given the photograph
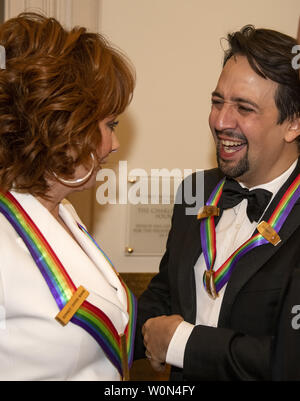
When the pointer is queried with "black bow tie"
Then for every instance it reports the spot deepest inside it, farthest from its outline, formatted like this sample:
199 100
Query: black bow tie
233 194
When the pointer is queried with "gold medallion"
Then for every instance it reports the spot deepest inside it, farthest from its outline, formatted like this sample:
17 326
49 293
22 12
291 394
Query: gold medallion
210 284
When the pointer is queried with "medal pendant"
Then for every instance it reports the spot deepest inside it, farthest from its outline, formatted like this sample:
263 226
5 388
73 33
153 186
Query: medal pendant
210 284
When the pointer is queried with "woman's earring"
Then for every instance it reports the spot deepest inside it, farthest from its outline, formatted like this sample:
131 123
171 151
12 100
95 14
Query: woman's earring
78 181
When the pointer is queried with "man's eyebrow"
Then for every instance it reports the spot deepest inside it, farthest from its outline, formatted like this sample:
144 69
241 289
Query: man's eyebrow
237 99
217 94
242 100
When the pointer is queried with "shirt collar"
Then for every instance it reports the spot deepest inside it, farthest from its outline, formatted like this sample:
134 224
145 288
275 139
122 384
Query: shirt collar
274 185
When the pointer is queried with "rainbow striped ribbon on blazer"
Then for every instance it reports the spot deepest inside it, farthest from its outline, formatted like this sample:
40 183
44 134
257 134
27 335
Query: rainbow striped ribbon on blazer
208 233
131 301
88 316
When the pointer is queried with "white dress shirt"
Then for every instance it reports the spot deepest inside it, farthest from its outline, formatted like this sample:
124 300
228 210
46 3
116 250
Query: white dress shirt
233 229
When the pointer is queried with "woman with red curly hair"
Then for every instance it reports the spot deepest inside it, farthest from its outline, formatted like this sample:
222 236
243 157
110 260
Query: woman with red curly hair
65 313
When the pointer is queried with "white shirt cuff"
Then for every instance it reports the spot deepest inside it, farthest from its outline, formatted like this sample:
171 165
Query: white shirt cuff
176 349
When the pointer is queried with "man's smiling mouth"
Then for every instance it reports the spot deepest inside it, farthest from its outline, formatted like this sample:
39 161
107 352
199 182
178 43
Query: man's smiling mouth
231 146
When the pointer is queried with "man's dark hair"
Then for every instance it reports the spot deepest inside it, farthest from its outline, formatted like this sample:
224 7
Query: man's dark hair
269 53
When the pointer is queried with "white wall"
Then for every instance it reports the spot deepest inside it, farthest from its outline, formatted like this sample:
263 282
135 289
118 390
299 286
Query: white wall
175 47
68 12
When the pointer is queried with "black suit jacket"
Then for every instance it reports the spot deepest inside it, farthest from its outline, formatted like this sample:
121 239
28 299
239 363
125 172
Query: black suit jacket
254 327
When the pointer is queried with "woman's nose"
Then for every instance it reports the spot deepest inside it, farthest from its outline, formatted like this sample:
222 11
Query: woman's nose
115 143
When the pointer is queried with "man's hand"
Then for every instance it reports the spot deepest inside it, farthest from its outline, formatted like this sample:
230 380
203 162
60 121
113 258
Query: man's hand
158 333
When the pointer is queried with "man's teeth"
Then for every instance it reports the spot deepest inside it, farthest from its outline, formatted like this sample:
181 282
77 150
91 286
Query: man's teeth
230 146
231 143
229 149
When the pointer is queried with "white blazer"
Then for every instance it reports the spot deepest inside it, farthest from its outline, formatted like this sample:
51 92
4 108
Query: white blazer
33 345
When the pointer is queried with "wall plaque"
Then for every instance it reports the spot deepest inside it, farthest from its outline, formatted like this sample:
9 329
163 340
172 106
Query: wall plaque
148 228
149 221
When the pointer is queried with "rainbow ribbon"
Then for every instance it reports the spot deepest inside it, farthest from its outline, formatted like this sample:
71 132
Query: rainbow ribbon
131 302
208 233
88 316
207 229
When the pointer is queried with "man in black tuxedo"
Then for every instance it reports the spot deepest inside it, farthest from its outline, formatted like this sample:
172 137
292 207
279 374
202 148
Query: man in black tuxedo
243 332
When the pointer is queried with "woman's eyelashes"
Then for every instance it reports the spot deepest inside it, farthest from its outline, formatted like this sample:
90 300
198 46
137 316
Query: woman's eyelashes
112 125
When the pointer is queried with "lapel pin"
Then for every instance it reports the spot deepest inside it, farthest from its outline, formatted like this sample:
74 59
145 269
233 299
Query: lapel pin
208 211
69 310
268 233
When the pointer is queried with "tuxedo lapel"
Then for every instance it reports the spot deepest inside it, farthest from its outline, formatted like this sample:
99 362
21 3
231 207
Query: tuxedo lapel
186 278
191 250
254 260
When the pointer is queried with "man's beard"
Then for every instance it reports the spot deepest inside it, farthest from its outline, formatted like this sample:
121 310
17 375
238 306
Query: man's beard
233 171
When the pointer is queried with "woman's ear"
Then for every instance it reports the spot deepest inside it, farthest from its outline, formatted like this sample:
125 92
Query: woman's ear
293 130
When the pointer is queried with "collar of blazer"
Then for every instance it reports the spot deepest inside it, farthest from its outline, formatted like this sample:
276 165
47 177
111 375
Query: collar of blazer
77 257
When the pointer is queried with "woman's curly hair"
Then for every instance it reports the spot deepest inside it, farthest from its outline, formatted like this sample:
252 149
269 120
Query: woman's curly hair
56 87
